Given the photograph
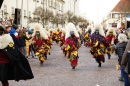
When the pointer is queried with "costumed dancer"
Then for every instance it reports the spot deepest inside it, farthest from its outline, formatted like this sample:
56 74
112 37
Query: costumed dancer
47 30
81 35
58 35
72 44
29 46
62 41
48 43
13 64
87 36
98 43
110 39
53 32
50 39
39 37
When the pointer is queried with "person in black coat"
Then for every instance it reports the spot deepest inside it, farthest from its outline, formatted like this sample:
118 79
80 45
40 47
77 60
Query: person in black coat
13 65
14 34
122 38
22 39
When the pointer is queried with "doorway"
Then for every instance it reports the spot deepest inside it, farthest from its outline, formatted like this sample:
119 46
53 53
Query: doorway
128 24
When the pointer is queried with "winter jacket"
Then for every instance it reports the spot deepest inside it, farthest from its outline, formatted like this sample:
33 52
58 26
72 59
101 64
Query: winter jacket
120 50
15 38
124 61
3 58
23 40
19 67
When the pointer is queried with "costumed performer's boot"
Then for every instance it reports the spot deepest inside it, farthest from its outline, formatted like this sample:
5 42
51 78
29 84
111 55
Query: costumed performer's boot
109 56
99 64
5 84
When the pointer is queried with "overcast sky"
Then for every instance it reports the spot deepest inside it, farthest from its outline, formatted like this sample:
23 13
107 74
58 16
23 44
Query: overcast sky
96 9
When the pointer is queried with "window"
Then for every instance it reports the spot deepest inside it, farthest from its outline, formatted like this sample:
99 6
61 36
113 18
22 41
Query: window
122 15
41 1
44 1
12 10
5 8
24 12
49 2
53 4
29 14
59 7
128 15
115 16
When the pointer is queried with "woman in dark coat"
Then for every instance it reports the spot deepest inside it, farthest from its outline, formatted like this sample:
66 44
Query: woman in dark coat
13 65
122 38
22 39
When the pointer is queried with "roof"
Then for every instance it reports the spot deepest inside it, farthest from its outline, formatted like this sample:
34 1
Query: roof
122 6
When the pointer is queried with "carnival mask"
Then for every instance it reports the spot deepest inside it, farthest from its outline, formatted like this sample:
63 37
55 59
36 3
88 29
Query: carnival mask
37 33
97 32
89 31
72 33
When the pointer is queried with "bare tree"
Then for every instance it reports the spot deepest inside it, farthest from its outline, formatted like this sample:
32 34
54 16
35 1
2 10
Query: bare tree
57 19
41 15
75 20
68 16
48 15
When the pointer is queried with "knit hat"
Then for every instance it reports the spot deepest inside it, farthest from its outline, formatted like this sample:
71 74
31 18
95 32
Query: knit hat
29 31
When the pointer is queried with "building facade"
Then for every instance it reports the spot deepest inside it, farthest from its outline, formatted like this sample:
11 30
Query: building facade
27 7
120 13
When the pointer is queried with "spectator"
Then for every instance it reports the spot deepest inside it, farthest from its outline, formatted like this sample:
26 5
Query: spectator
124 65
13 65
120 50
22 39
14 34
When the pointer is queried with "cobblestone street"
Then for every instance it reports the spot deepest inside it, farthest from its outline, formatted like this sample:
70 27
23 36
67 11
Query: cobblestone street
56 71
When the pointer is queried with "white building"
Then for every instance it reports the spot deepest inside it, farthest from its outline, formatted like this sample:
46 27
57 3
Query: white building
72 6
28 6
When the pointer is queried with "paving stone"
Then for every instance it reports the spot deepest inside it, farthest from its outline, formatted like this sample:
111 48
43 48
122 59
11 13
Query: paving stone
56 71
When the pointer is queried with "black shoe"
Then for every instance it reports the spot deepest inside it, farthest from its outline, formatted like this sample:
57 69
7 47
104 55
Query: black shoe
45 55
120 79
65 54
73 67
109 56
99 65
41 62
45 58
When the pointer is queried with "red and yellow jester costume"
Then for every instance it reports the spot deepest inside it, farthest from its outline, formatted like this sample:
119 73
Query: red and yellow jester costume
87 35
98 43
39 40
110 39
58 35
72 44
